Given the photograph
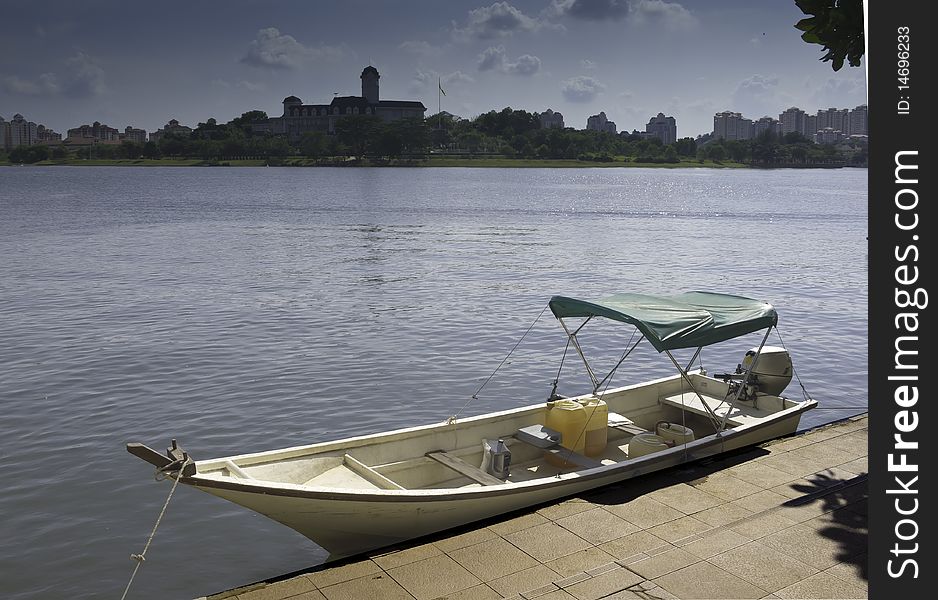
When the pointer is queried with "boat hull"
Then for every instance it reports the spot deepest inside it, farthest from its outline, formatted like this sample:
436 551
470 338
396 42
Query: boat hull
348 522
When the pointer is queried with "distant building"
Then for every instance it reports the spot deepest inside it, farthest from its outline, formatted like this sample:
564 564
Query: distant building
662 127
601 123
641 134
834 118
829 135
765 124
171 128
859 121
138 136
299 118
96 133
727 125
4 134
792 121
810 126
551 120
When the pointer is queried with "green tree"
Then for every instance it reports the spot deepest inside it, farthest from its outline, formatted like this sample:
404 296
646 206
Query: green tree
837 25
313 144
359 133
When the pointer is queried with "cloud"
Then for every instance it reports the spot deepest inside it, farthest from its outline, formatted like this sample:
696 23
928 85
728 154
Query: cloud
417 47
44 84
501 19
423 81
251 86
839 92
669 15
495 59
591 10
84 78
589 65
272 49
581 89
760 95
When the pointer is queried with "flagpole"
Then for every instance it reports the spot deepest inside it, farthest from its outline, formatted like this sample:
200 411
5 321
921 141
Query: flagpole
439 102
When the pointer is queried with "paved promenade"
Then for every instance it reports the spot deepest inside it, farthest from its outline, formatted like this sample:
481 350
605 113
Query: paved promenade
786 519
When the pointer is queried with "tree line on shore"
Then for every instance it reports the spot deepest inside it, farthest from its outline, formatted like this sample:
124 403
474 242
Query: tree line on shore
507 133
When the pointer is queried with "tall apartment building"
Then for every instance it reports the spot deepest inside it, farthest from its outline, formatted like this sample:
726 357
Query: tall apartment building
792 121
662 127
732 126
836 118
96 132
858 121
551 120
765 124
601 123
810 126
171 128
4 134
131 134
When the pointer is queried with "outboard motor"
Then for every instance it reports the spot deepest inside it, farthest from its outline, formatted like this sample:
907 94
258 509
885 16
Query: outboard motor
771 375
773 371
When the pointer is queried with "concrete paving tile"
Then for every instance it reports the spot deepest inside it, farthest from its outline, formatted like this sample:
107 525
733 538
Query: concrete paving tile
404 556
686 498
579 562
827 432
632 544
760 501
856 443
822 585
820 545
789 443
826 455
597 525
799 466
725 486
705 581
711 544
518 523
551 595
860 466
462 540
649 590
760 474
602 585
763 567
722 515
679 528
854 572
547 542
565 508
523 581
761 525
370 586
346 572
492 559
644 512
433 577
281 589
479 592
664 563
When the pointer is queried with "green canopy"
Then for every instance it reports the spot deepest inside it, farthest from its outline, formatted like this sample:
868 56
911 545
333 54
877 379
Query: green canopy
687 320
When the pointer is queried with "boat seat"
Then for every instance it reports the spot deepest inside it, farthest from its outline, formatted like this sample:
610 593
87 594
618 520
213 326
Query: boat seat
739 415
462 467
564 454
625 424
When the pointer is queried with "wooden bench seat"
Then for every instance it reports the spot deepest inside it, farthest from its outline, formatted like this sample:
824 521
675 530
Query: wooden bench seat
462 467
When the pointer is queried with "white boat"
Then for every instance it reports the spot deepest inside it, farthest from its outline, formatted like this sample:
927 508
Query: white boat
362 493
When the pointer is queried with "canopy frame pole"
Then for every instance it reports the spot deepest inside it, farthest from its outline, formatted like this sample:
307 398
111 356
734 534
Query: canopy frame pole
713 416
742 384
618 364
576 344
693 358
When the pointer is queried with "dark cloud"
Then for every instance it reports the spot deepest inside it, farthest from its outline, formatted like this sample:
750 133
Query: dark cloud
272 49
670 15
501 19
83 78
494 58
581 89
592 10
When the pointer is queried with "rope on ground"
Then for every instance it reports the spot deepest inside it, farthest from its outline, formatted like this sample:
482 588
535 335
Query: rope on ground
143 555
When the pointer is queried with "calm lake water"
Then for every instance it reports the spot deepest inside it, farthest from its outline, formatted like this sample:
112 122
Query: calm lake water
242 310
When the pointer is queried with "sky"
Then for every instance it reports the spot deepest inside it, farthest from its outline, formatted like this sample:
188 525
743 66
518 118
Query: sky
125 62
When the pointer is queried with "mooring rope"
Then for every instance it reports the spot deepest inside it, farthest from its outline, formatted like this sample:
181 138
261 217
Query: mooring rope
804 391
143 555
475 396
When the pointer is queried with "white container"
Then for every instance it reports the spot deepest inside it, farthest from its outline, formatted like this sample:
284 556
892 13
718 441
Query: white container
496 458
675 433
773 371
